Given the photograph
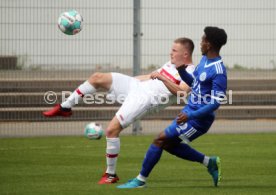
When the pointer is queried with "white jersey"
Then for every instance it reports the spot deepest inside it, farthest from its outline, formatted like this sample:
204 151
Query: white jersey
169 71
142 96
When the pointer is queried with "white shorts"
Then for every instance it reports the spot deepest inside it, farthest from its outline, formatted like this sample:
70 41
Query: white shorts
121 85
136 100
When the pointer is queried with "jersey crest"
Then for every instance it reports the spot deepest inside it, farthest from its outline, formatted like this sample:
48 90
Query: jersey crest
202 76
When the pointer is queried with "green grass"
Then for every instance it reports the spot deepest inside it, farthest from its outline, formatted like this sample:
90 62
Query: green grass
73 165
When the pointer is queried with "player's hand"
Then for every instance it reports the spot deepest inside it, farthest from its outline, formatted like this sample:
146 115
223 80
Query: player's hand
157 75
181 118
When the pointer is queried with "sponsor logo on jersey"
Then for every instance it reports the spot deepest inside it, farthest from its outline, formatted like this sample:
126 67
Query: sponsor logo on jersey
169 76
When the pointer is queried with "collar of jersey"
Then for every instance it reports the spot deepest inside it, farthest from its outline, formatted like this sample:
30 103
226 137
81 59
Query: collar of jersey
213 61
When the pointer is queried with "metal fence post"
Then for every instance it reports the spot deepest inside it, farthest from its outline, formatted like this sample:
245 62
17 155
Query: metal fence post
136 127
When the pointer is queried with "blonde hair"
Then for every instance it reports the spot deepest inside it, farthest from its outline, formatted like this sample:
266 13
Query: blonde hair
187 43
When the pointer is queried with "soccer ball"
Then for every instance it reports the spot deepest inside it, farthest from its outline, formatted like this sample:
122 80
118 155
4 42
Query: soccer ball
70 22
93 131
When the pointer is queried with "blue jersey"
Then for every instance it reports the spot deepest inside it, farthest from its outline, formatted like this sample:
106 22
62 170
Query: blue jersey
209 85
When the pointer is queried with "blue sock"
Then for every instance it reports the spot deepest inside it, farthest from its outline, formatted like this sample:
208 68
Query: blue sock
186 152
152 157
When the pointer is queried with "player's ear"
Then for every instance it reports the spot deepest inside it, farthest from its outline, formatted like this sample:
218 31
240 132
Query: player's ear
208 45
185 54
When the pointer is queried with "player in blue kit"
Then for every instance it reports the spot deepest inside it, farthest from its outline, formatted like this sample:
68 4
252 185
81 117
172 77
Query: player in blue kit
208 83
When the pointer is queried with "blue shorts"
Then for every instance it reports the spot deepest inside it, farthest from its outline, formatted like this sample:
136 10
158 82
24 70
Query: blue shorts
185 131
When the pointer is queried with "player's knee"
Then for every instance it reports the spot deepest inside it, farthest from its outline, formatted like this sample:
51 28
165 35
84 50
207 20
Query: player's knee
96 79
169 147
109 132
159 141
112 132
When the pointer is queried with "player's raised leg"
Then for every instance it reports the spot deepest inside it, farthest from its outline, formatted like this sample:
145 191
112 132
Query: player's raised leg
112 152
95 82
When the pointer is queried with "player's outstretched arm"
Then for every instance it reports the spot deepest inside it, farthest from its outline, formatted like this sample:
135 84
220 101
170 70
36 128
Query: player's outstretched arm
219 89
172 87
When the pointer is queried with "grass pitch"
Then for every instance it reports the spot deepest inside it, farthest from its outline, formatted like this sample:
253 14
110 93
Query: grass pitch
73 165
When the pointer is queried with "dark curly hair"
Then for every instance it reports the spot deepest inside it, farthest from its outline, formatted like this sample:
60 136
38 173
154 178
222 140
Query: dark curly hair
216 36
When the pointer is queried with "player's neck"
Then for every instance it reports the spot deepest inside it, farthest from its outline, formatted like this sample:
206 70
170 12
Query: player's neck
212 54
189 61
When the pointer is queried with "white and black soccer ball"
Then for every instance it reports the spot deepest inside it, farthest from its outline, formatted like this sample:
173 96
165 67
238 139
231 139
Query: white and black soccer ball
93 131
70 22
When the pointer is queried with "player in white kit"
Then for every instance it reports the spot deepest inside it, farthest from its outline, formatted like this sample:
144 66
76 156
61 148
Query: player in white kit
141 94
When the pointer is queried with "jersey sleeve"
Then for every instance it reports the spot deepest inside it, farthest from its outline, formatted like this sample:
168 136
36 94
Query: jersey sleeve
185 76
190 69
219 87
218 93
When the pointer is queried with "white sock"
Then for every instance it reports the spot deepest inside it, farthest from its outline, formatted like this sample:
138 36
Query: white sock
82 90
206 161
141 178
112 152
